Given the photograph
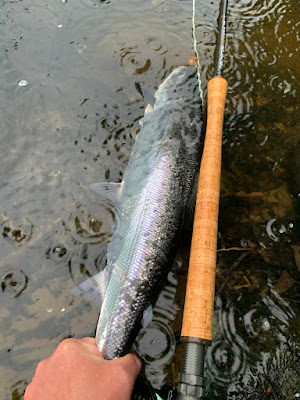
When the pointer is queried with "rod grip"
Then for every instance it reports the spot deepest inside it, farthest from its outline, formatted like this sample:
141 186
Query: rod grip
200 291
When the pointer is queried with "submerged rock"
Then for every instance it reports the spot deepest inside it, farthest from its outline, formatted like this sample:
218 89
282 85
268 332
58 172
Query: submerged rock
279 379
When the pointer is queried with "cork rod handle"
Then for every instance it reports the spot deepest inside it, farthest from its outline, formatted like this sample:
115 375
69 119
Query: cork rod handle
199 301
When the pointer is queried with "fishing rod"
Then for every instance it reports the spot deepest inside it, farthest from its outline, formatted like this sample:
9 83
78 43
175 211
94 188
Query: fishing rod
197 323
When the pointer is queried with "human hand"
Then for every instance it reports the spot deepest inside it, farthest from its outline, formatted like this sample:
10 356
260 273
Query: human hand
77 371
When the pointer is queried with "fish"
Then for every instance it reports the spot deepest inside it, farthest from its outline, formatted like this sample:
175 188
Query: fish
150 205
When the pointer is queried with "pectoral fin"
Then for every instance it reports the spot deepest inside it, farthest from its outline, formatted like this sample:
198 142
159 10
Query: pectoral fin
92 289
109 190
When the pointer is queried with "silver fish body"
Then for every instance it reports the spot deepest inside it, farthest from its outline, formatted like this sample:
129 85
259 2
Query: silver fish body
150 207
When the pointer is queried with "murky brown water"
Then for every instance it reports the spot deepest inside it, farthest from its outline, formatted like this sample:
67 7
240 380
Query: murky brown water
69 115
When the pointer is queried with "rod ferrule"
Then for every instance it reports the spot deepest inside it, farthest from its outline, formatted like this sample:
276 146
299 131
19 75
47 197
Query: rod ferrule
191 381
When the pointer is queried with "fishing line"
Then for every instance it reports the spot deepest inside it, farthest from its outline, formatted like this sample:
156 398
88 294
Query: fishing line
196 52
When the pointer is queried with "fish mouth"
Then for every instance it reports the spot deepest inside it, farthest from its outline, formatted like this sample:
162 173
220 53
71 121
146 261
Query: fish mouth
181 83
178 77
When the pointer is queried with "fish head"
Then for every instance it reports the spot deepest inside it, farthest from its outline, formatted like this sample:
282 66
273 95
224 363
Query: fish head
181 83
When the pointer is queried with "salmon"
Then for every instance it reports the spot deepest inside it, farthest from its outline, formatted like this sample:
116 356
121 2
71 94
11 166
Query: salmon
150 205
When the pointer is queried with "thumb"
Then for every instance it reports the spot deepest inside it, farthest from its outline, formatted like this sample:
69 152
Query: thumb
126 369
130 363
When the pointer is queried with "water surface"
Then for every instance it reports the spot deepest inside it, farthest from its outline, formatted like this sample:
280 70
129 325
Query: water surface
69 116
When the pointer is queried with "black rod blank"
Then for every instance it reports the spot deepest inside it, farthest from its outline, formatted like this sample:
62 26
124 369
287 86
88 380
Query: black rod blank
221 39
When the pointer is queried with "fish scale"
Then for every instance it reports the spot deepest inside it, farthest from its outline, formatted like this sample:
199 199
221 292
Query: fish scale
144 262
150 210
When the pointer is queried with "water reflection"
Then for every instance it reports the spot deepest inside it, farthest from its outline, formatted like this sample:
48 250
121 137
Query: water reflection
18 234
156 344
57 252
75 123
226 358
242 339
86 229
94 4
13 281
19 389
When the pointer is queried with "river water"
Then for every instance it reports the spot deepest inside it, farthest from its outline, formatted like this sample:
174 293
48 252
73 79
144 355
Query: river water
69 117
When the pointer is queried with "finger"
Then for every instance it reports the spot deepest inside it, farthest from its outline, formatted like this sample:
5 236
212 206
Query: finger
91 346
130 363
89 340
39 367
28 392
125 370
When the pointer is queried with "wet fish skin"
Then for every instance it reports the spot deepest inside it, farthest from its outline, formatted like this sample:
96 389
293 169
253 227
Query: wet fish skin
150 207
